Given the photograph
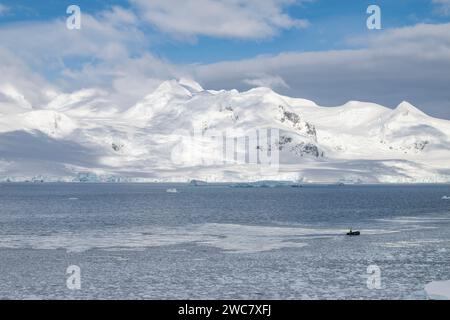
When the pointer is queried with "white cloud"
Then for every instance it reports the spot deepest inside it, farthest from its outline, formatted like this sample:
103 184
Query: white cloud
395 65
17 78
402 64
3 9
244 19
443 6
118 15
112 33
264 80
108 52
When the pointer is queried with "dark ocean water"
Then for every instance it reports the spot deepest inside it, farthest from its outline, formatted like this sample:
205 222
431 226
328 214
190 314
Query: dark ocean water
139 241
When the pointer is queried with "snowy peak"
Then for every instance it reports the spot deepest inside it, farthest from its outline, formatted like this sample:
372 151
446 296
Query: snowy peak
160 100
190 84
267 95
172 88
406 109
183 87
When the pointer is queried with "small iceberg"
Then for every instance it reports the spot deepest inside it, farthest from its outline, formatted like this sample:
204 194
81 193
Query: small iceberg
446 198
264 184
241 185
438 290
172 190
197 183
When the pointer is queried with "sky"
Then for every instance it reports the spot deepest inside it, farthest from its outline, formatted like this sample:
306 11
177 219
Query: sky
320 50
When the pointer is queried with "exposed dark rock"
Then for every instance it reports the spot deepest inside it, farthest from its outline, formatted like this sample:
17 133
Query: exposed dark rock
303 149
420 145
117 147
297 123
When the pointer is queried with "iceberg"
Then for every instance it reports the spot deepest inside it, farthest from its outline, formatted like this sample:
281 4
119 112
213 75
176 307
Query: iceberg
265 184
438 290
197 183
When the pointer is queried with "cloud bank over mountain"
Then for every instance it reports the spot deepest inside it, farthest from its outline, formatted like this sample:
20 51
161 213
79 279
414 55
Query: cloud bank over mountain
113 52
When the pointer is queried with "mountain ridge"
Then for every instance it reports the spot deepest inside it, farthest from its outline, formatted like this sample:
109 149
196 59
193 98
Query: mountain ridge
83 134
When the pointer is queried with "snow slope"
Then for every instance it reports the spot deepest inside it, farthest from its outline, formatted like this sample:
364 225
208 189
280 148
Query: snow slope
82 136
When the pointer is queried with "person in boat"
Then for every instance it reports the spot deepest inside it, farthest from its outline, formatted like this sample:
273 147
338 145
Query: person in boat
353 233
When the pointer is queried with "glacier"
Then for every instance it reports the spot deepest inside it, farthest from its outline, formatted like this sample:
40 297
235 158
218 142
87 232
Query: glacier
85 137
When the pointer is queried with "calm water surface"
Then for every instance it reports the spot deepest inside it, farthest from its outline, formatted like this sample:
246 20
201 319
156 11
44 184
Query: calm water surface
139 241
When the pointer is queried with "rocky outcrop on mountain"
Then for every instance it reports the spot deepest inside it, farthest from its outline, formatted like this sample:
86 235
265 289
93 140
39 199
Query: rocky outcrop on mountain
295 120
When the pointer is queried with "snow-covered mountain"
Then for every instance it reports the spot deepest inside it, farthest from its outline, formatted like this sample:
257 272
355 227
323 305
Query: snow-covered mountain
84 137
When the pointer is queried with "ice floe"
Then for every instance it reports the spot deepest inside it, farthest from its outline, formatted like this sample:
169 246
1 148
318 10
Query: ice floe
438 290
227 237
